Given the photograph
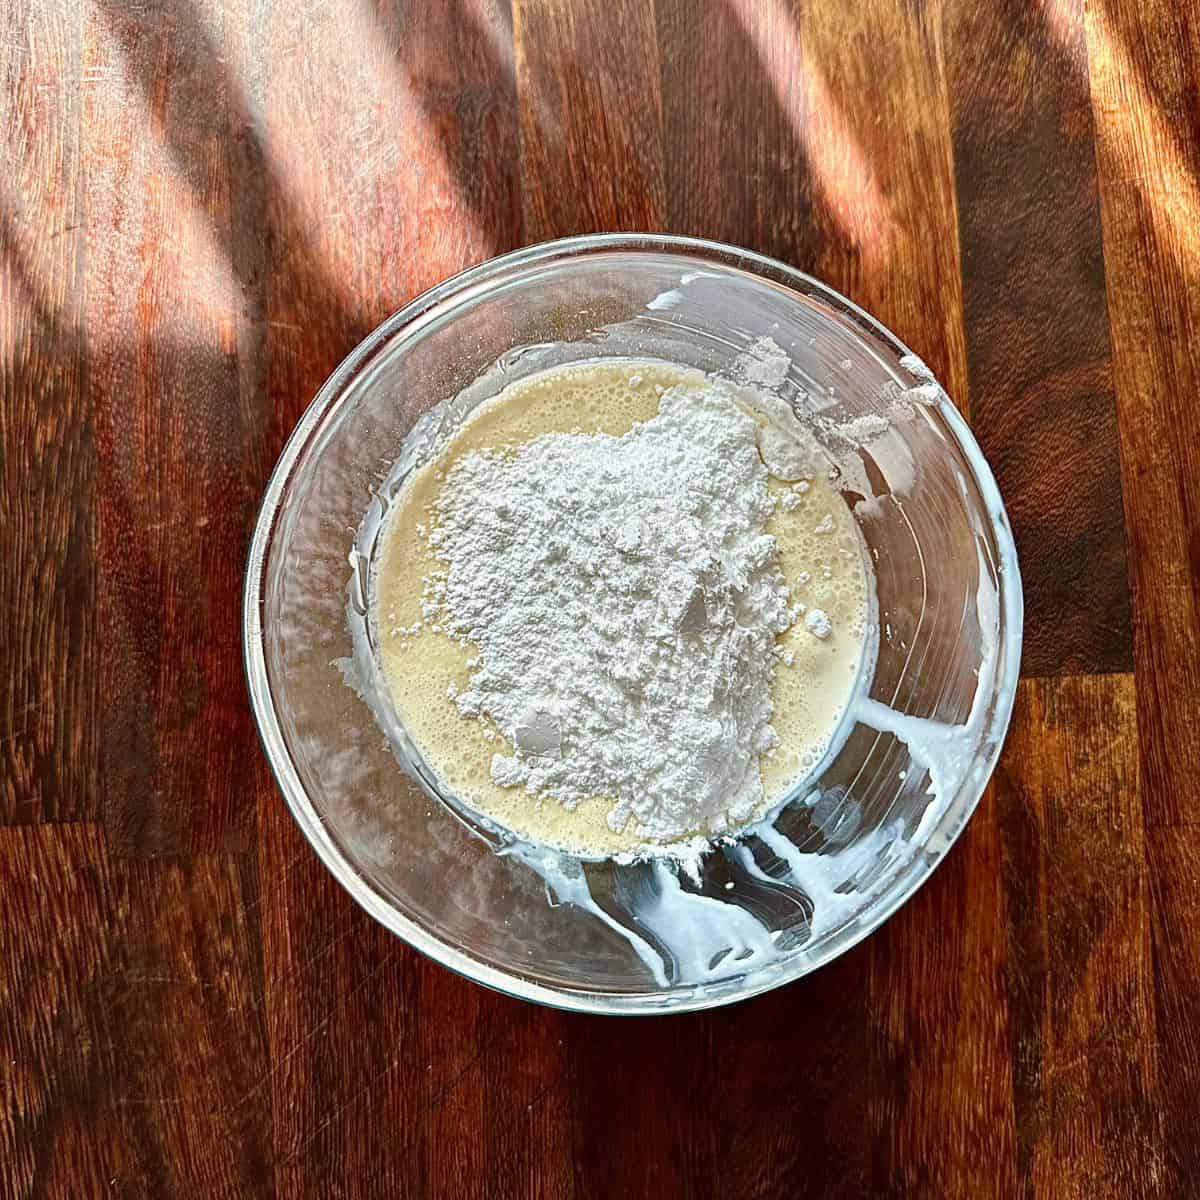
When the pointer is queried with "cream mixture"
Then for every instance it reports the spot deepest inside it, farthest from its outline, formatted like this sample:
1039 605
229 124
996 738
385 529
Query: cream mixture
619 610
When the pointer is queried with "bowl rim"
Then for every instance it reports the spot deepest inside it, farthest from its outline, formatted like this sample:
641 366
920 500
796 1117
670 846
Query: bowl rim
304 812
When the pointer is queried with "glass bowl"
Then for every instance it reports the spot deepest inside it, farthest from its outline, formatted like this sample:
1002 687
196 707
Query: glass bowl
842 852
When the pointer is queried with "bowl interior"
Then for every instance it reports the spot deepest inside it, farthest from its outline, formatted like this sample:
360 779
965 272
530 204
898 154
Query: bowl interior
847 848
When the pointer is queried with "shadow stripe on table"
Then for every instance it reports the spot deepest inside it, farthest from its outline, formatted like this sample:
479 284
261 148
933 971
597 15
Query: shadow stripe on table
1042 400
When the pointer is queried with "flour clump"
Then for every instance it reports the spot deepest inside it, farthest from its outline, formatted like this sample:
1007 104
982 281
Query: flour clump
624 598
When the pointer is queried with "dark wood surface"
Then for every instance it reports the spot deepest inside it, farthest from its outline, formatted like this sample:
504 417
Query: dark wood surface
204 206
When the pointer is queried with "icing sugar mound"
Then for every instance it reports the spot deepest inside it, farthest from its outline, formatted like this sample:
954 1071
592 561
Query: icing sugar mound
625 598
762 363
818 623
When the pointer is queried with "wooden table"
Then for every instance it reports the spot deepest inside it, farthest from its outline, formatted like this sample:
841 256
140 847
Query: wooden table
205 206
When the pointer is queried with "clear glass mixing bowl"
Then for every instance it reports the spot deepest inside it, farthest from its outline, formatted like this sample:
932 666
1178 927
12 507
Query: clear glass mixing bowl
866 829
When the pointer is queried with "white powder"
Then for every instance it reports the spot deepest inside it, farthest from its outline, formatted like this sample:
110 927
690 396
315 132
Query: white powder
624 597
763 363
861 431
818 623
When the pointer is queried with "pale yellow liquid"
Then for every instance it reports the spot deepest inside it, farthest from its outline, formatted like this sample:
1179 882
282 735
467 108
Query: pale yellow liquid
810 696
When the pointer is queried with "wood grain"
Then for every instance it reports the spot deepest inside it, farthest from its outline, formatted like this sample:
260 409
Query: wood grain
833 152
402 171
1034 291
48 748
1145 72
130 1019
692 1084
1174 872
1080 965
181 454
591 117
736 171
208 206
942 1115
342 1025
